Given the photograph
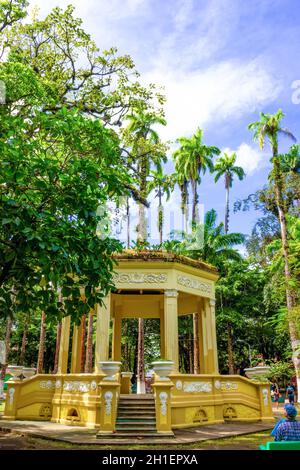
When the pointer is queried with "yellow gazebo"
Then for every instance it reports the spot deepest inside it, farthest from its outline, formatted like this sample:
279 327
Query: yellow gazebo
148 285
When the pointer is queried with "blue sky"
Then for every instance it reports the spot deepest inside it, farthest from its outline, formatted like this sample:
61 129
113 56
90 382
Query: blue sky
220 61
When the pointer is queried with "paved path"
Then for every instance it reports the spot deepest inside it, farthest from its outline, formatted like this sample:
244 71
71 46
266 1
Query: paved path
81 436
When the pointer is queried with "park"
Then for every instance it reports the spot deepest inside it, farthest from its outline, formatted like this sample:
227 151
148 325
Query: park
150 274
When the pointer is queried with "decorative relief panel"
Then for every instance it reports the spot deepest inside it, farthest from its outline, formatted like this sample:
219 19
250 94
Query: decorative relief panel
265 394
76 386
47 384
197 387
108 396
163 396
58 384
218 384
11 395
194 284
178 385
140 278
227 386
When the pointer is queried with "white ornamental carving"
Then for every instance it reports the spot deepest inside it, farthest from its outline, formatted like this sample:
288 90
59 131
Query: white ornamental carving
265 395
48 384
194 284
197 387
76 386
93 385
11 395
227 386
179 385
163 396
58 384
108 396
140 278
217 384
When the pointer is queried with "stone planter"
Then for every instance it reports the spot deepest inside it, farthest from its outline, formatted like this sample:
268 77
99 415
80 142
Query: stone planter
258 371
110 369
15 371
28 372
163 369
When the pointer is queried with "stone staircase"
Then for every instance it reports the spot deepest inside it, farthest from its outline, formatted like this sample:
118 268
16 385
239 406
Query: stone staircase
136 418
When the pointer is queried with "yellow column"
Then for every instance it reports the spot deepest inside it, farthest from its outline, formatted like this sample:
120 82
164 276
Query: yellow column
117 336
201 339
102 332
76 349
162 394
64 346
212 304
212 357
171 326
204 365
162 335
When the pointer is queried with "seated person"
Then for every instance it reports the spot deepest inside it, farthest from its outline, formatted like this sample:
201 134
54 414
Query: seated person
287 429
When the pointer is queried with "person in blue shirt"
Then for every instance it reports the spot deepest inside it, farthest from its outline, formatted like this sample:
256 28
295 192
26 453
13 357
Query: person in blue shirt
290 393
287 429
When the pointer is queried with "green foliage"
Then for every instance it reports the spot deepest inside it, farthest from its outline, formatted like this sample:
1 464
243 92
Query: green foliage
60 162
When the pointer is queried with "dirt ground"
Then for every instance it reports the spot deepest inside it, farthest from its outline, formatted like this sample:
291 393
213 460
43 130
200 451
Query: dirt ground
12 441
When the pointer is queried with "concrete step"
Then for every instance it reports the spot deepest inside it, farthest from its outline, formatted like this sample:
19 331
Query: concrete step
131 436
138 408
134 414
151 422
137 402
136 430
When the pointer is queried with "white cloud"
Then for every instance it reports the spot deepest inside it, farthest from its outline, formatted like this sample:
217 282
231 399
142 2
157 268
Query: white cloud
179 52
223 92
249 158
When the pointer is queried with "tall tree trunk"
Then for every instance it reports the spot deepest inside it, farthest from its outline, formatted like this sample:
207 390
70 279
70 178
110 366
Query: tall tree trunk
141 358
82 347
40 361
57 347
89 346
128 221
227 204
196 343
24 340
190 353
195 211
160 217
7 350
290 299
230 349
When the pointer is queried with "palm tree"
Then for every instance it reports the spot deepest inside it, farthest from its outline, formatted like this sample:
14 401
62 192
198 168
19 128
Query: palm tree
269 127
290 164
210 243
145 139
225 166
163 185
192 159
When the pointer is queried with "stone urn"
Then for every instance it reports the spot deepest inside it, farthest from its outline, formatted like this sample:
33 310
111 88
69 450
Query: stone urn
15 371
110 369
258 371
162 369
28 372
